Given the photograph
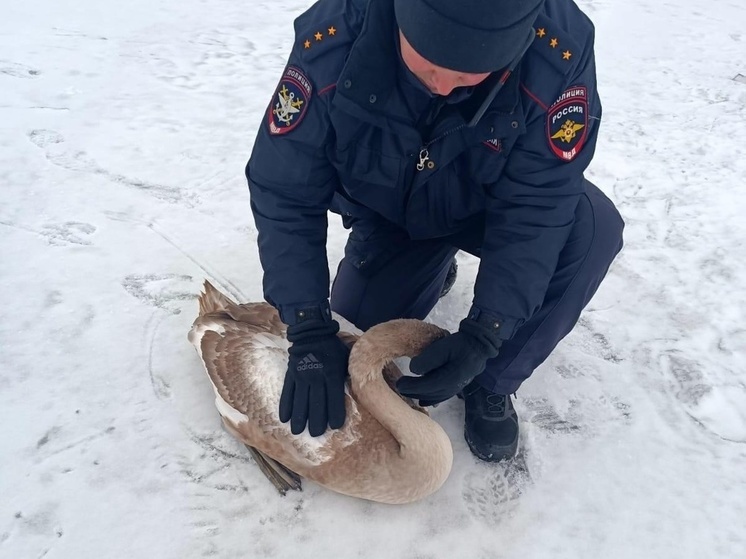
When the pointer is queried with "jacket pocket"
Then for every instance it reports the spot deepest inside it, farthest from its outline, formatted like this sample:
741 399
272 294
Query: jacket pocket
371 178
371 167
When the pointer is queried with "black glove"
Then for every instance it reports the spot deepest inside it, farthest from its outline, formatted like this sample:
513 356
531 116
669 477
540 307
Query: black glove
448 364
314 388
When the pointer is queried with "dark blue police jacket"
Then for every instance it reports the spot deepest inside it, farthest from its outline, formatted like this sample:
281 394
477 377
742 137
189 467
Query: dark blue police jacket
349 126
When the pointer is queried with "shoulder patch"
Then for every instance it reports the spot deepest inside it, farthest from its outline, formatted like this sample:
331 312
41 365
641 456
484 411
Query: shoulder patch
567 123
290 101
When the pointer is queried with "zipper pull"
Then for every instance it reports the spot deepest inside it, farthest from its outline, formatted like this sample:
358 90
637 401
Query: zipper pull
424 156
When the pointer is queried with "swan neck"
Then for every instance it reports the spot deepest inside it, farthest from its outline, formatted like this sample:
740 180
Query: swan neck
376 348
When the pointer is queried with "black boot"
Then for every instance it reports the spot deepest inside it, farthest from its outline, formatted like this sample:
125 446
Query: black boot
491 424
450 279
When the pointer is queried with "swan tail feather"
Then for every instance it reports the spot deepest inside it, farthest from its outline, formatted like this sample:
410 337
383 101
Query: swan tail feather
284 479
212 300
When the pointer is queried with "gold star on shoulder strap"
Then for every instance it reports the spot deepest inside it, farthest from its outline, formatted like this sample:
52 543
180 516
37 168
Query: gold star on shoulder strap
318 36
554 44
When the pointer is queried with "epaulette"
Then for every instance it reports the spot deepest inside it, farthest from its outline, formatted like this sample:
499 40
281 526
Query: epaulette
555 46
321 39
318 34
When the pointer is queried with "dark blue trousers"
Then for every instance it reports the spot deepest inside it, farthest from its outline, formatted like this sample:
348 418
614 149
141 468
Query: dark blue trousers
385 275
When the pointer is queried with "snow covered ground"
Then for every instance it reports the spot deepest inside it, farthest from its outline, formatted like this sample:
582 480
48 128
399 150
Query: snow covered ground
124 128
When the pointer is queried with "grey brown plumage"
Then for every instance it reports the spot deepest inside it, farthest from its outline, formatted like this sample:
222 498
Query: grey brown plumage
388 449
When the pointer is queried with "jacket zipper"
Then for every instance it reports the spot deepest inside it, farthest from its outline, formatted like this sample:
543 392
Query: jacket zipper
425 154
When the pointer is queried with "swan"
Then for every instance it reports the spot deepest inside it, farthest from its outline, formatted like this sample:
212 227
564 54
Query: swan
388 450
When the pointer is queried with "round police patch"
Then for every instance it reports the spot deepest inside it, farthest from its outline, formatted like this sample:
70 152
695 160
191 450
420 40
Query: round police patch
567 123
290 102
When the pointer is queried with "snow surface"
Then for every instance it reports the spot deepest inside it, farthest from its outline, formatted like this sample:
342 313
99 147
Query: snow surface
125 127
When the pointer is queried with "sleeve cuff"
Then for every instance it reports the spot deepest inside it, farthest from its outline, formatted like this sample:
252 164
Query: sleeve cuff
297 313
504 326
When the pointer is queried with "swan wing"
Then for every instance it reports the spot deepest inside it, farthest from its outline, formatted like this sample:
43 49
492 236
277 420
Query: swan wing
246 363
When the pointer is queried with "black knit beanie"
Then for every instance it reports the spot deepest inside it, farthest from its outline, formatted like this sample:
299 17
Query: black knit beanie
474 36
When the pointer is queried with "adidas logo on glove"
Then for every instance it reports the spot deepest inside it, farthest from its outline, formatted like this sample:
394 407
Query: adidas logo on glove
309 362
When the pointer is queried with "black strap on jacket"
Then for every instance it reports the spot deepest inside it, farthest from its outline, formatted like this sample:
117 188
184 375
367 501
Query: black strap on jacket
500 81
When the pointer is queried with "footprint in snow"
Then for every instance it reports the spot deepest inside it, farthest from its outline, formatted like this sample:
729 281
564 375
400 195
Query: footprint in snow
43 138
492 493
164 291
18 70
56 152
68 233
